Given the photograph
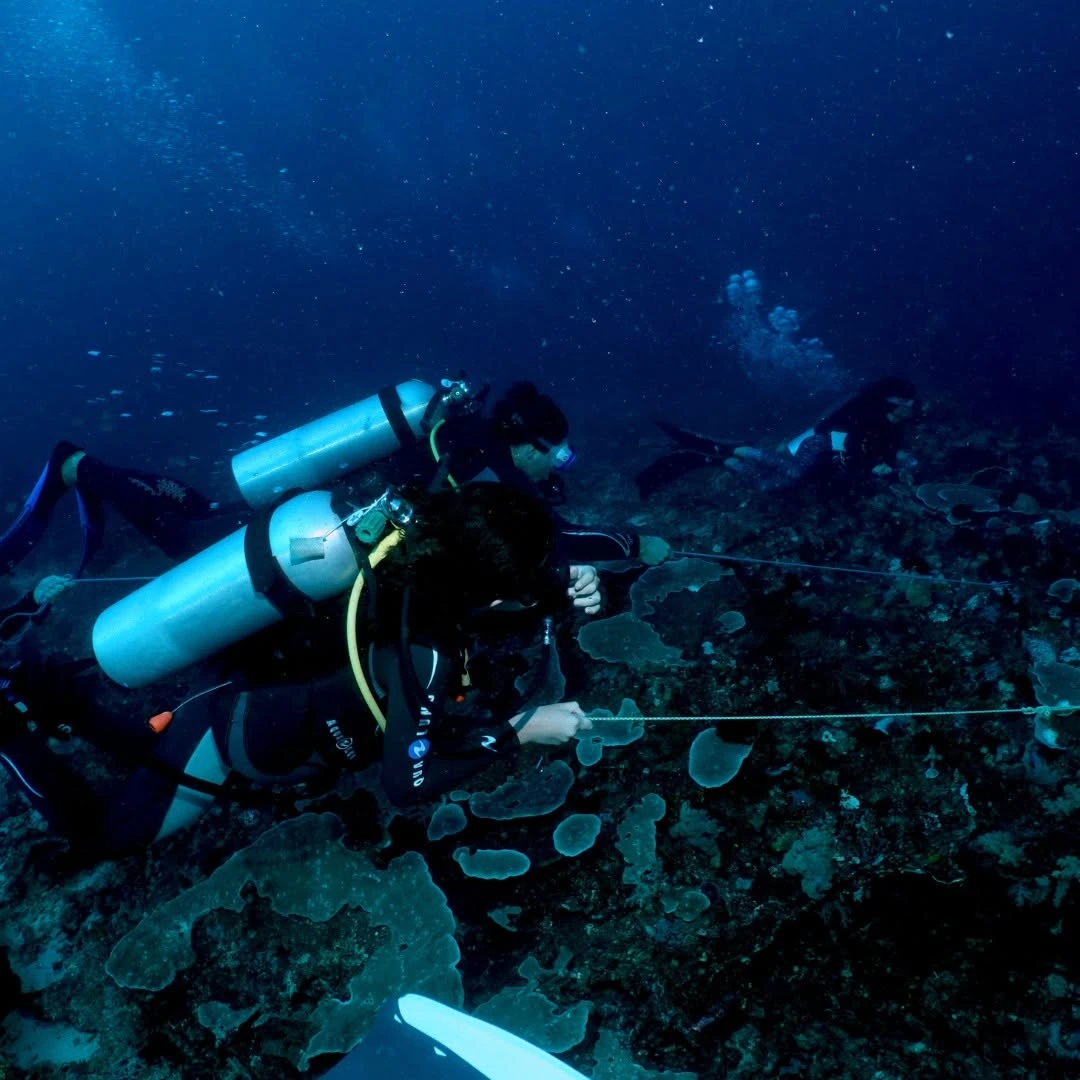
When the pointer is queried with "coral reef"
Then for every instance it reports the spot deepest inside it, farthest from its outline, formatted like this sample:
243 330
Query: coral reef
874 894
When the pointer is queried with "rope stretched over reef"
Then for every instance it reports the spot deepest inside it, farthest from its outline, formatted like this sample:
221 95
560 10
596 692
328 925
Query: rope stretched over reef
1043 712
901 574
108 580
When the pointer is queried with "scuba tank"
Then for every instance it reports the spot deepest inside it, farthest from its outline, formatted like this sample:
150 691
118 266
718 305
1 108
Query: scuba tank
292 554
289 556
320 452
317 453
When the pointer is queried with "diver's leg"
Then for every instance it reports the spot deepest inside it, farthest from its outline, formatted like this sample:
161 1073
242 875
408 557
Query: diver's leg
150 802
169 512
161 508
153 802
55 790
148 805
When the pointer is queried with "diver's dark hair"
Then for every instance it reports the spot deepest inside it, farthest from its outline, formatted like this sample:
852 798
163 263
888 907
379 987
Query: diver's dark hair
468 547
524 415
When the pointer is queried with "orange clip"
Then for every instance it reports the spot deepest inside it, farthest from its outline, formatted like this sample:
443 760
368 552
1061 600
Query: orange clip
159 721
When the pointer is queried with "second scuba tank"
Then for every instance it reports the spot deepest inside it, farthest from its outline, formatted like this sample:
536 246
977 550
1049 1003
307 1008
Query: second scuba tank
234 588
317 453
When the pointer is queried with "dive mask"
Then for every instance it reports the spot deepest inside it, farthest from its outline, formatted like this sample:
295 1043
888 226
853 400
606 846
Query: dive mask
561 455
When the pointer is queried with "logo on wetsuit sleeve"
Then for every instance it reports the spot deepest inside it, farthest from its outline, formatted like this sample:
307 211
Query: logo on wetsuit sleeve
419 749
342 741
420 746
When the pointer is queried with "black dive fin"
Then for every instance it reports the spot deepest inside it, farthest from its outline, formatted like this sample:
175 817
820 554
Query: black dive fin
667 469
701 444
92 517
160 507
29 527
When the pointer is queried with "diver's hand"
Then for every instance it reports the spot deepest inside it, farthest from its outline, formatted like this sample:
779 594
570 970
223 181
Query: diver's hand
553 725
585 589
744 458
49 588
653 550
769 470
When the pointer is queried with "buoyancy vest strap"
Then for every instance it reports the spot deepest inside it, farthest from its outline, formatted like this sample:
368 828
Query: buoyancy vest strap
442 463
390 400
267 577
380 552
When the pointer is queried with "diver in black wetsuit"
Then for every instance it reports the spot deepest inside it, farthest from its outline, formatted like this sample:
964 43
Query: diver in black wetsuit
861 432
283 707
523 445
163 509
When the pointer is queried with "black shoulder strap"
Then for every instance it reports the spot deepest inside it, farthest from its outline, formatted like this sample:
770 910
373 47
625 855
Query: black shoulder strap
267 576
390 400
414 692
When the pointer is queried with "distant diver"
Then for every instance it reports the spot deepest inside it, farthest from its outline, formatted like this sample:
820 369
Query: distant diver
864 430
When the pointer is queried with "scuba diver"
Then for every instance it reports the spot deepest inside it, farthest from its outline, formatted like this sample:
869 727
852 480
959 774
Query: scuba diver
863 431
436 438
436 577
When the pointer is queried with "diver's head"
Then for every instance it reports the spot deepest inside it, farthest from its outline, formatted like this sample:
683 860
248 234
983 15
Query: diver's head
535 428
897 398
483 543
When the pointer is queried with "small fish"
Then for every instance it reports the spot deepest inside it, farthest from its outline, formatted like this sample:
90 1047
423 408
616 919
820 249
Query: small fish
93 352
167 412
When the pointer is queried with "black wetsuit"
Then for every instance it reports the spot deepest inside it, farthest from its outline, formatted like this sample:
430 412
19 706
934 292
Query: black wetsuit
305 723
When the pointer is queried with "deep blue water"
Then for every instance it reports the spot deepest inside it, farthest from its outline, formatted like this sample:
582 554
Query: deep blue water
308 199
